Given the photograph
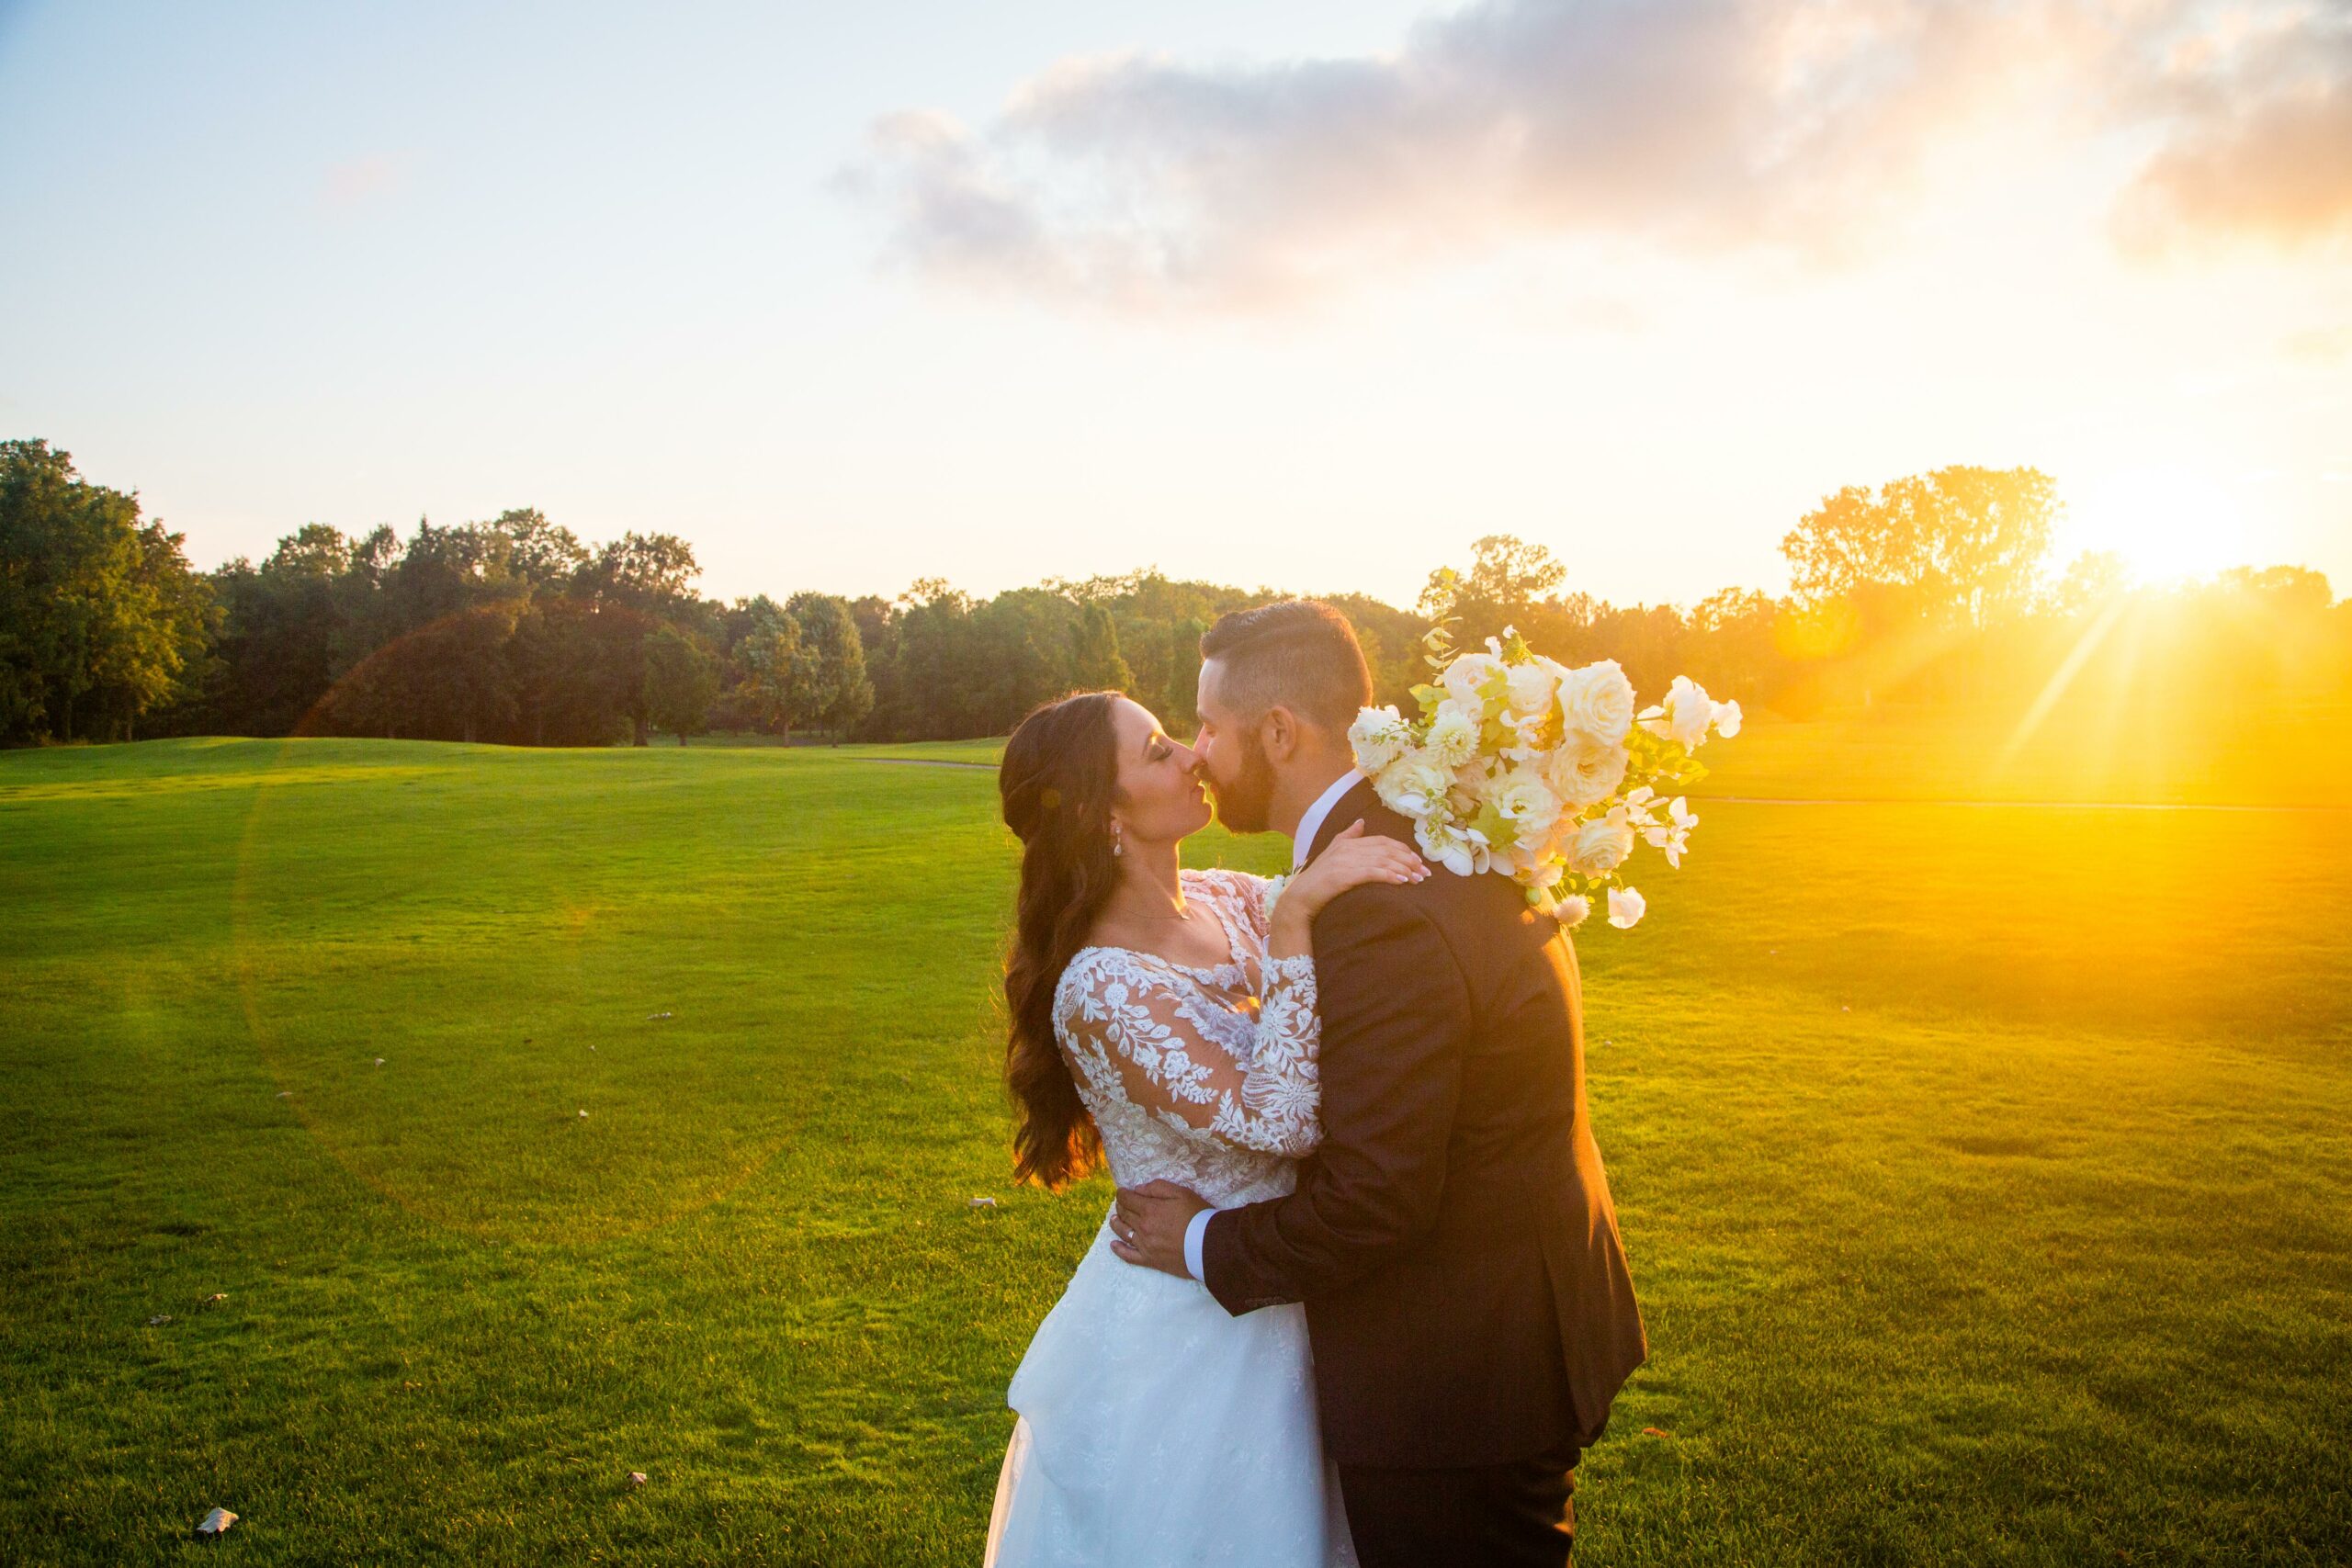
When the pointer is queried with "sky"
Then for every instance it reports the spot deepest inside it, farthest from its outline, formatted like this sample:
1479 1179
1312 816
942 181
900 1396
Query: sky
1310 295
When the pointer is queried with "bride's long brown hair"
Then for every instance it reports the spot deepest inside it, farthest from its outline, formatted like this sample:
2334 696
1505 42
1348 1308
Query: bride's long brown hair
1057 782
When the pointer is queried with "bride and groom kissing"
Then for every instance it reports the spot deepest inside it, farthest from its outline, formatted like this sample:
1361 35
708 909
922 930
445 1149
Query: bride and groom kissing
1362 1298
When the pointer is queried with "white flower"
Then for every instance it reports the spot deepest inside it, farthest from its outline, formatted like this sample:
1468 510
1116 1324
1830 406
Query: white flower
1461 850
1572 910
1524 800
1274 885
1531 692
1379 736
1536 871
1467 675
1584 770
1413 785
1726 719
1452 738
1685 715
1599 700
1601 845
1626 907
1469 786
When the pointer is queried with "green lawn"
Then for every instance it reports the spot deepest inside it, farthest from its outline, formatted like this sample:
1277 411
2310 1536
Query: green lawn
1985 1172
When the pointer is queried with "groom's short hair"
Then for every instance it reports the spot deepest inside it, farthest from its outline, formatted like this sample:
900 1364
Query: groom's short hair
1300 654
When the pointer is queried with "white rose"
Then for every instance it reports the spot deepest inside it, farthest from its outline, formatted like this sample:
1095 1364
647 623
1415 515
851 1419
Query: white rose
1584 770
1599 700
1601 845
1684 715
1537 869
1626 907
1379 736
1412 785
1458 849
1726 719
1524 800
1452 738
1466 674
1531 692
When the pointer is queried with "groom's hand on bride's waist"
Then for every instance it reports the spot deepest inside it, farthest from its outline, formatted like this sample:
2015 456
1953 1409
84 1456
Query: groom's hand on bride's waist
1147 1227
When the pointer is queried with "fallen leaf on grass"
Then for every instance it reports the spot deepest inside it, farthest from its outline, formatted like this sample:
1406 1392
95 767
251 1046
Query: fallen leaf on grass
637 1478
216 1521
380 1061
1655 1432
216 1297
160 1319
655 1017
981 1204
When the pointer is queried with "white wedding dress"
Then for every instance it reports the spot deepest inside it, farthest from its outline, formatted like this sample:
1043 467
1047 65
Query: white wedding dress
1155 1428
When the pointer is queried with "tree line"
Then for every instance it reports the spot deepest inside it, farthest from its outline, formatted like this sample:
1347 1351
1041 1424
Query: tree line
1935 587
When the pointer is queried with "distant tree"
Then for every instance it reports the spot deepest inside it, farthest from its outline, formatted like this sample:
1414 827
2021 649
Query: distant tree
541 554
839 693
1508 580
101 618
1095 651
1183 675
2091 579
777 668
680 681
1958 546
638 583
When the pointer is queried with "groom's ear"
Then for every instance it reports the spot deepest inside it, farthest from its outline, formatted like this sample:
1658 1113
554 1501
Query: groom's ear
1279 733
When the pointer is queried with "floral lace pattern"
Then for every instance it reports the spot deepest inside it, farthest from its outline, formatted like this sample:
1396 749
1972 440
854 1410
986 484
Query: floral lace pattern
1204 1075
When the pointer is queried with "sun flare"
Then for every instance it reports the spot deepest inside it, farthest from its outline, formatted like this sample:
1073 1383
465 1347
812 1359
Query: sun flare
2167 522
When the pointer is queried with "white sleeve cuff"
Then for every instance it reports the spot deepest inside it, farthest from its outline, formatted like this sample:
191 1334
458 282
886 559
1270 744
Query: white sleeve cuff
1194 1233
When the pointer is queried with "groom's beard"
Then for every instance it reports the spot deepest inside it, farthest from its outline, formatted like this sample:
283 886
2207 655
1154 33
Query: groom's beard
1243 805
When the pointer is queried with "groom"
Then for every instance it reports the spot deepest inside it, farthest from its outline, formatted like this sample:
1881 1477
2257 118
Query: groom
1466 1295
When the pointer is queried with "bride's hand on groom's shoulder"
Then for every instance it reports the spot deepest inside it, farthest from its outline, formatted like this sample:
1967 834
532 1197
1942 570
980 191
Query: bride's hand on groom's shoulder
1350 859
1149 1225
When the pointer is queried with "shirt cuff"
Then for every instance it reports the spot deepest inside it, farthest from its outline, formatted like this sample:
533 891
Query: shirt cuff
1194 1233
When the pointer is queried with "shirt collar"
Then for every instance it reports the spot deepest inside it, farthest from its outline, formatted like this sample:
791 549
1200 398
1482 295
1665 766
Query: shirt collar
1302 842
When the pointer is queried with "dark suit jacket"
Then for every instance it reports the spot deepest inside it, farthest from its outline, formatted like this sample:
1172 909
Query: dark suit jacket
1453 1238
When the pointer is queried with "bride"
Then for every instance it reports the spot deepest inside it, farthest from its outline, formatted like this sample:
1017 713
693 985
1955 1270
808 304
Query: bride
1160 1021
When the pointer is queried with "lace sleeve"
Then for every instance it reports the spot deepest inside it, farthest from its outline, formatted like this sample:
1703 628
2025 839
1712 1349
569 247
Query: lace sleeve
1152 1030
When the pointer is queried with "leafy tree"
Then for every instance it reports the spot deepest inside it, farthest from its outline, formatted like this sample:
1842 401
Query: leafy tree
1183 680
1958 546
2091 579
680 681
1507 580
838 693
1095 651
638 583
776 674
100 617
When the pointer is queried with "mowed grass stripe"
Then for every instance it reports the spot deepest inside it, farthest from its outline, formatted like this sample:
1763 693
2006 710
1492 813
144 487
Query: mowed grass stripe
1984 1174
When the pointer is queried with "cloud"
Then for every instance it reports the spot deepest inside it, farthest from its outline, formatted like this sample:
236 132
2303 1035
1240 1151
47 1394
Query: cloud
1137 182
2257 142
360 180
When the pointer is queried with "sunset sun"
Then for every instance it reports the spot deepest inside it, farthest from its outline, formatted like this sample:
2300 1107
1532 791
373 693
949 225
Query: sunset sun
2168 522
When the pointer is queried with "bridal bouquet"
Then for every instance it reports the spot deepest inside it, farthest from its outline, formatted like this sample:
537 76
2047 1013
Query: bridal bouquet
1520 766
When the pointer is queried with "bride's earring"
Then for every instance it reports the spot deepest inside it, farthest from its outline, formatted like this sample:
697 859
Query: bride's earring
1118 845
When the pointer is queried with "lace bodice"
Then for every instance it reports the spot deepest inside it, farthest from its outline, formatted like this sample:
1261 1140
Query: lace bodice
1203 1075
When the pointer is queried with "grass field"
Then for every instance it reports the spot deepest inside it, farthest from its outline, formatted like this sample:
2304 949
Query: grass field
1985 1172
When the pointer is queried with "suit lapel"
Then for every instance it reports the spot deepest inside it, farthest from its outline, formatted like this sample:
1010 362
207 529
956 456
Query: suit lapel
1361 801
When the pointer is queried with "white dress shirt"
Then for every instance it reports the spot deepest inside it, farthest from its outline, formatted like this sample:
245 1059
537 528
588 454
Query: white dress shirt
1302 843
